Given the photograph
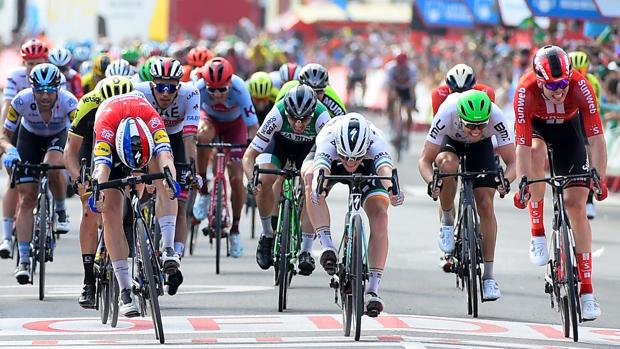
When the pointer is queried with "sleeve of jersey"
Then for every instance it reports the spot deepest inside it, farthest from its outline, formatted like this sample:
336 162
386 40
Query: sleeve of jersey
271 125
337 108
247 108
589 108
503 133
523 119
322 120
12 119
380 152
325 151
436 133
192 114
104 138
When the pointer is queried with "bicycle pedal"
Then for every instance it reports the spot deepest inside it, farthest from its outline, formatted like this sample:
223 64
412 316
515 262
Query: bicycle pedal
447 264
334 282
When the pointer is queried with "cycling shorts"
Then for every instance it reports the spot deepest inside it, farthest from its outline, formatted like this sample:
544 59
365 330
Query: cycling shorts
480 156
367 168
281 150
32 149
353 79
404 94
234 132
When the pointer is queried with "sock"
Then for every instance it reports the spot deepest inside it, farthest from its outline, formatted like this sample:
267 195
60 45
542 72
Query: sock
60 205
205 186
7 228
267 228
167 225
325 237
234 228
536 218
374 278
447 217
307 239
121 270
24 251
87 261
584 261
179 247
274 222
488 270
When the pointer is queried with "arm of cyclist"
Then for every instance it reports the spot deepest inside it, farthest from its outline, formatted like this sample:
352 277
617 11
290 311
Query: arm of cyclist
598 149
395 200
508 155
10 125
101 174
72 160
272 124
163 159
425 166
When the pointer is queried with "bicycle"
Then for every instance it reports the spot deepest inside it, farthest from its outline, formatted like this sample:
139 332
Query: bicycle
107 286
288 232
219 216
146 269
349 281
250 205
562 275
43 240
466 259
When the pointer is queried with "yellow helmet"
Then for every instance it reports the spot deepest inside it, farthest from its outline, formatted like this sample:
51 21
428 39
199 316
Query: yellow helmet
114 86
260 85
580 61
100 63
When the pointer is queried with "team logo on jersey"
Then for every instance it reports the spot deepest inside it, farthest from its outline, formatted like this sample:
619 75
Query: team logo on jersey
161 137
102 149
13 115
155 122
107 134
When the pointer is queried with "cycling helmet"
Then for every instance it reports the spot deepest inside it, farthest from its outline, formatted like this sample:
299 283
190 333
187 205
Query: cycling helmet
59 57
353 136
314 75
81 53
580 60
217 72
474 106
119 67
166 68
114 86
100 64
134 142
300 102
44 76
260 85
131 55
289 71
33 49
198 56
551 63
461 78
85 68
145 69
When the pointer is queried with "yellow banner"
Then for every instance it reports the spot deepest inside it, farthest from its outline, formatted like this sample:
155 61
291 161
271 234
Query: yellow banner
158 28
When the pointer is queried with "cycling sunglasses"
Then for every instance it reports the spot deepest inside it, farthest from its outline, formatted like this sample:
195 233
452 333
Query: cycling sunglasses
170 88
45 89
474 125
213 90
560 84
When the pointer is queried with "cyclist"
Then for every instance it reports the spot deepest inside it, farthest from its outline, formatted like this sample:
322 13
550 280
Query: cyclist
315 76
119 67
228 113
128 134
80 145
44 111
288 134
401 81
465 125
287 72
581 63
460 78
92 78
351 144
546 102
357 65
61 57
196 58
178 105
263 94
132 55
144 72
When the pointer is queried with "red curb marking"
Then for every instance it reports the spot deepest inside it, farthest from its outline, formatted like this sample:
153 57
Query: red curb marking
392 322
45 342
613 333
204 324
269 339
46 326
547 331
204 340
482 327
325 322
390 338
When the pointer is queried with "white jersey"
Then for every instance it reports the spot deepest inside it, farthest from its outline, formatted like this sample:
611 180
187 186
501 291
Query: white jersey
182 114
276 81
447 123
24 109
401 76
18 80
326 153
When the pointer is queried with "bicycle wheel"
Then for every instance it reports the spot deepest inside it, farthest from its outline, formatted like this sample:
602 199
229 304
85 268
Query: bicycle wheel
283 264
253 217
357 259
151 291
217 216
43 232
472 257
193 237
114 293
103 292
571 281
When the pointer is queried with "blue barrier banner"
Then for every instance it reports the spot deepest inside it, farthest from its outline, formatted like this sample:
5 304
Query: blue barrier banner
484 11
577 9
447 13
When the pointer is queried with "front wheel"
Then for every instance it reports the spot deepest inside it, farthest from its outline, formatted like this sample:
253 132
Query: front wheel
358 277
43 232
571 280
472 260
219 225
283 263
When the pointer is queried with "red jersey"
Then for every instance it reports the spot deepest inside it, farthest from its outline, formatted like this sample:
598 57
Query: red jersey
113 111
442 92
74 83
529 104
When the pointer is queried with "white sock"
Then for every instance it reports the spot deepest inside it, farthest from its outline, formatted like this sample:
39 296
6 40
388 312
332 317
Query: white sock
488 270
307 239
7 228
267 229
447 217
121 270
179 247
60 205
325 237
167 225
374 278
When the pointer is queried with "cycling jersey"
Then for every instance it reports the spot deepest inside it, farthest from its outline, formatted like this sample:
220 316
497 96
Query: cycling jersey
24 110
276 81
447 123
238 103
88 82
330 99
84 122
182 114
401 76
74 83
596 85
18 80
276 122
356 66
440 94
530 104
110 115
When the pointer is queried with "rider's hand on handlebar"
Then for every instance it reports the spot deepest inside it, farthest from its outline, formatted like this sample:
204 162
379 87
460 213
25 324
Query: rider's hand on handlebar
255 189
81 187
198 182
173 192
502 188
11 156
317 199
517 200
602 195
397 200
97 206
434 192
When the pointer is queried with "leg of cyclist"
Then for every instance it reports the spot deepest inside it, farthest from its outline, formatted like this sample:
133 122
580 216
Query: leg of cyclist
447 161
58 187
538 243
206 133
23 227
9 205
265 200
166 211
180 236
320 219
306 261
88 246
488 233
236 132
376 206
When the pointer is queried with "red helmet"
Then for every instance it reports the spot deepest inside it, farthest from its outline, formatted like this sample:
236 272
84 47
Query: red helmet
198 56
551 63
217 72
33 49
401 58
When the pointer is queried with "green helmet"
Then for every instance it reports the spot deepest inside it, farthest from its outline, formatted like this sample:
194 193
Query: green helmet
474 106
260 85
131 55
580 60
145 69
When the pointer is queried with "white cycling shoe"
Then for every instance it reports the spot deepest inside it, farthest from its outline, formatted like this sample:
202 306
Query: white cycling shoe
446 238
538 251
490 290
590 309
201 206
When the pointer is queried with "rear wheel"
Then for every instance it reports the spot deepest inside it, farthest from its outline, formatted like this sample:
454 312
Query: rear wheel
218 224
193 236
283 264
357 259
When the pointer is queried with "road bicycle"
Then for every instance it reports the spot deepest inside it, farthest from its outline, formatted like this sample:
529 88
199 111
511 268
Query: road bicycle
562 275
288 232
349 281
107 285
250 206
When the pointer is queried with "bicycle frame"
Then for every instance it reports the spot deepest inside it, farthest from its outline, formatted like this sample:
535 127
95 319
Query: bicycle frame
222 157
288 194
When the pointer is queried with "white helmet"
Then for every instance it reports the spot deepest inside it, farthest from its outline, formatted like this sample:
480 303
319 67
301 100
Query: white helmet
461 78
353 137
289 71
59 57
118 67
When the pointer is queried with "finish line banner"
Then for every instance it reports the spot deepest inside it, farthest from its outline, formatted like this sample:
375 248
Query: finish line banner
448 13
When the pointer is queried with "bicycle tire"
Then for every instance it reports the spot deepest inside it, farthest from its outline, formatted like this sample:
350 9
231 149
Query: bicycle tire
218 224
472 289
103 293
253 217
571 282
152 294
358 276
43 226
193 237
114 293
283 241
